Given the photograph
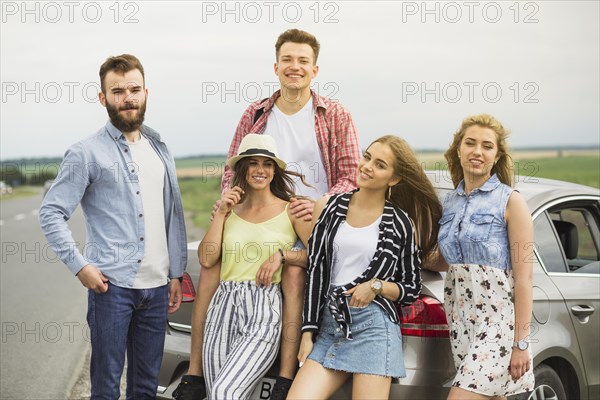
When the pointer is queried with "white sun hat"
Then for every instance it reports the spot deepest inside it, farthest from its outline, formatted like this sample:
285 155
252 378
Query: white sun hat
254 145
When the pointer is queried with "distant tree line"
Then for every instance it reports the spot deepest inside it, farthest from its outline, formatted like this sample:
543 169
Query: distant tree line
29 171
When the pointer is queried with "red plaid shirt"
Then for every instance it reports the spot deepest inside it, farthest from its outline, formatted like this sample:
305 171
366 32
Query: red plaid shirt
336 136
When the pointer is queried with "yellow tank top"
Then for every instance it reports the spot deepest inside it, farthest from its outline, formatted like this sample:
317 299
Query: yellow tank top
247 245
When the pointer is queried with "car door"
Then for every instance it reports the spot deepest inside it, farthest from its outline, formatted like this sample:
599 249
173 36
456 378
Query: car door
569 235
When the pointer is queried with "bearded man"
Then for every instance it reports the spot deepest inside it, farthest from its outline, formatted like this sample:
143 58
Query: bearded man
124 178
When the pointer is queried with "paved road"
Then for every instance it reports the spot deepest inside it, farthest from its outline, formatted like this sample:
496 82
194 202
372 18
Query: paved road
42 308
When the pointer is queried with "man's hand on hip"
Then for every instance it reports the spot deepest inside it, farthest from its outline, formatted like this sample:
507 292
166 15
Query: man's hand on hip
93 279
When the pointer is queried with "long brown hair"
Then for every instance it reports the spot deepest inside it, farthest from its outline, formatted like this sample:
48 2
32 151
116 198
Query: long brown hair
414 193
282 185
503 168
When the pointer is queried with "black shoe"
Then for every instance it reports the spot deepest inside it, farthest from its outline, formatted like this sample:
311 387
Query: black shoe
191 387
281 388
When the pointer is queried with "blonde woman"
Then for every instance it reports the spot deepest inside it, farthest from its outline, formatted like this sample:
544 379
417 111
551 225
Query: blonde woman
486 239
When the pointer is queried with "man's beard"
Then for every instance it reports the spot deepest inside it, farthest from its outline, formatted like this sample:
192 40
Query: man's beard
123 123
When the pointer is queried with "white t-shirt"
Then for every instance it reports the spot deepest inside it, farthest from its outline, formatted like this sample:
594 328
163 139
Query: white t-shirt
154 269
353 250
297 144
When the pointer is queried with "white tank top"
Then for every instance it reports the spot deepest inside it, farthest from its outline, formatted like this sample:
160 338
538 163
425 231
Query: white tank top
353 250
297 143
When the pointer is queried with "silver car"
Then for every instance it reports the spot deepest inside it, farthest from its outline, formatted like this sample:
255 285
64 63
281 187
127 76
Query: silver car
565 328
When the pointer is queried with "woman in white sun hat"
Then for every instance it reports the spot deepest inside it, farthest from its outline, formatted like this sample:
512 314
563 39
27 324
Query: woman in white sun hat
252 234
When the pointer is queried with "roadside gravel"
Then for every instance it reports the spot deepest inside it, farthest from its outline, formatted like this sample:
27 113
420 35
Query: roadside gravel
81 388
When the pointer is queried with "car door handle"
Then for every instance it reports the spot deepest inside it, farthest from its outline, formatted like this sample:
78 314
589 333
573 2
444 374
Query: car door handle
582 310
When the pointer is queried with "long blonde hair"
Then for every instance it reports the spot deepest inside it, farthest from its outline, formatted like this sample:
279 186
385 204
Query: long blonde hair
414 193
503 168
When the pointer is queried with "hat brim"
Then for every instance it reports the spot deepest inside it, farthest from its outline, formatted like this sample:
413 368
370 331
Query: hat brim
231 162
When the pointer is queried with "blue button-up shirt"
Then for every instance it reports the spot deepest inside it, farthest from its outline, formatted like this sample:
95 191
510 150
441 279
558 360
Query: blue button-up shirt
473 228
99 173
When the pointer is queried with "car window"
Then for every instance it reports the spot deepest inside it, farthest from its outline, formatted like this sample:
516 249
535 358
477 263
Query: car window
547 246
577 230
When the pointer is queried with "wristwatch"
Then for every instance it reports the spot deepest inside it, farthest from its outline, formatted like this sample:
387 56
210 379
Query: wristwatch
376 286
521 344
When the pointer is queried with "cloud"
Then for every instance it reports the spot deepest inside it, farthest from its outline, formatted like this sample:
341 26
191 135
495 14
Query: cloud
410 68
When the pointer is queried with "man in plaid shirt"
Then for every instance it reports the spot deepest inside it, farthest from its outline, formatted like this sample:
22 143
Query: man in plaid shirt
317 138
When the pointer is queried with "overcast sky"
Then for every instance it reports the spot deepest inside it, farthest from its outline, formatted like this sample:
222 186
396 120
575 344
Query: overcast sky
413 69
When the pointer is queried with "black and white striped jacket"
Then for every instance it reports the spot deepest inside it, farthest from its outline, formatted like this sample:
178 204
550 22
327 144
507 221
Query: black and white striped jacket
396 260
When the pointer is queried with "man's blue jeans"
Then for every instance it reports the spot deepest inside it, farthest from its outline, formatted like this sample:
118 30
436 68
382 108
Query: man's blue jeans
133 320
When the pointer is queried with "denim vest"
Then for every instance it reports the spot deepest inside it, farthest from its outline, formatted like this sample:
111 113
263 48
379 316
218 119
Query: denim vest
473 228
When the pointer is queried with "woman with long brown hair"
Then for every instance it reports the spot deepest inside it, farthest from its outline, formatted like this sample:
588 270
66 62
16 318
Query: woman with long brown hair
252 235
364 257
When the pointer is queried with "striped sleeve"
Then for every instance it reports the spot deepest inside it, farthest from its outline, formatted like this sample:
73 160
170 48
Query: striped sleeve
318 273
408 276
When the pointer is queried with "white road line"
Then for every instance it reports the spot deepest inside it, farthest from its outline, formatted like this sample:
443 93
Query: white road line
19 217
1 222
34 212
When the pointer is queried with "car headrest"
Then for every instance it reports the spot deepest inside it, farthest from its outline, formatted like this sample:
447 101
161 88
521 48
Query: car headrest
569 238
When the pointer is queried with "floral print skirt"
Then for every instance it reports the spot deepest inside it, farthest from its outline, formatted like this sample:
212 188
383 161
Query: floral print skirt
480 309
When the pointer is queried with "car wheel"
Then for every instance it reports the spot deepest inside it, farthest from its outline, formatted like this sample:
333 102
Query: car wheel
548 385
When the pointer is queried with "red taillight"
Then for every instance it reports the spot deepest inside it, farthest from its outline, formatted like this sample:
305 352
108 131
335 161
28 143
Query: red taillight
424 318
187 287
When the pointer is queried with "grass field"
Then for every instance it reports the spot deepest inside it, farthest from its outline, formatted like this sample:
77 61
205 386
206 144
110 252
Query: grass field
201 189
581 166
198 196
200 177
584 169
200 166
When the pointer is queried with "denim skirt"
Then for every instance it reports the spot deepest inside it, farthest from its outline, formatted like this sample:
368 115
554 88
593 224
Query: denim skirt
376 347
